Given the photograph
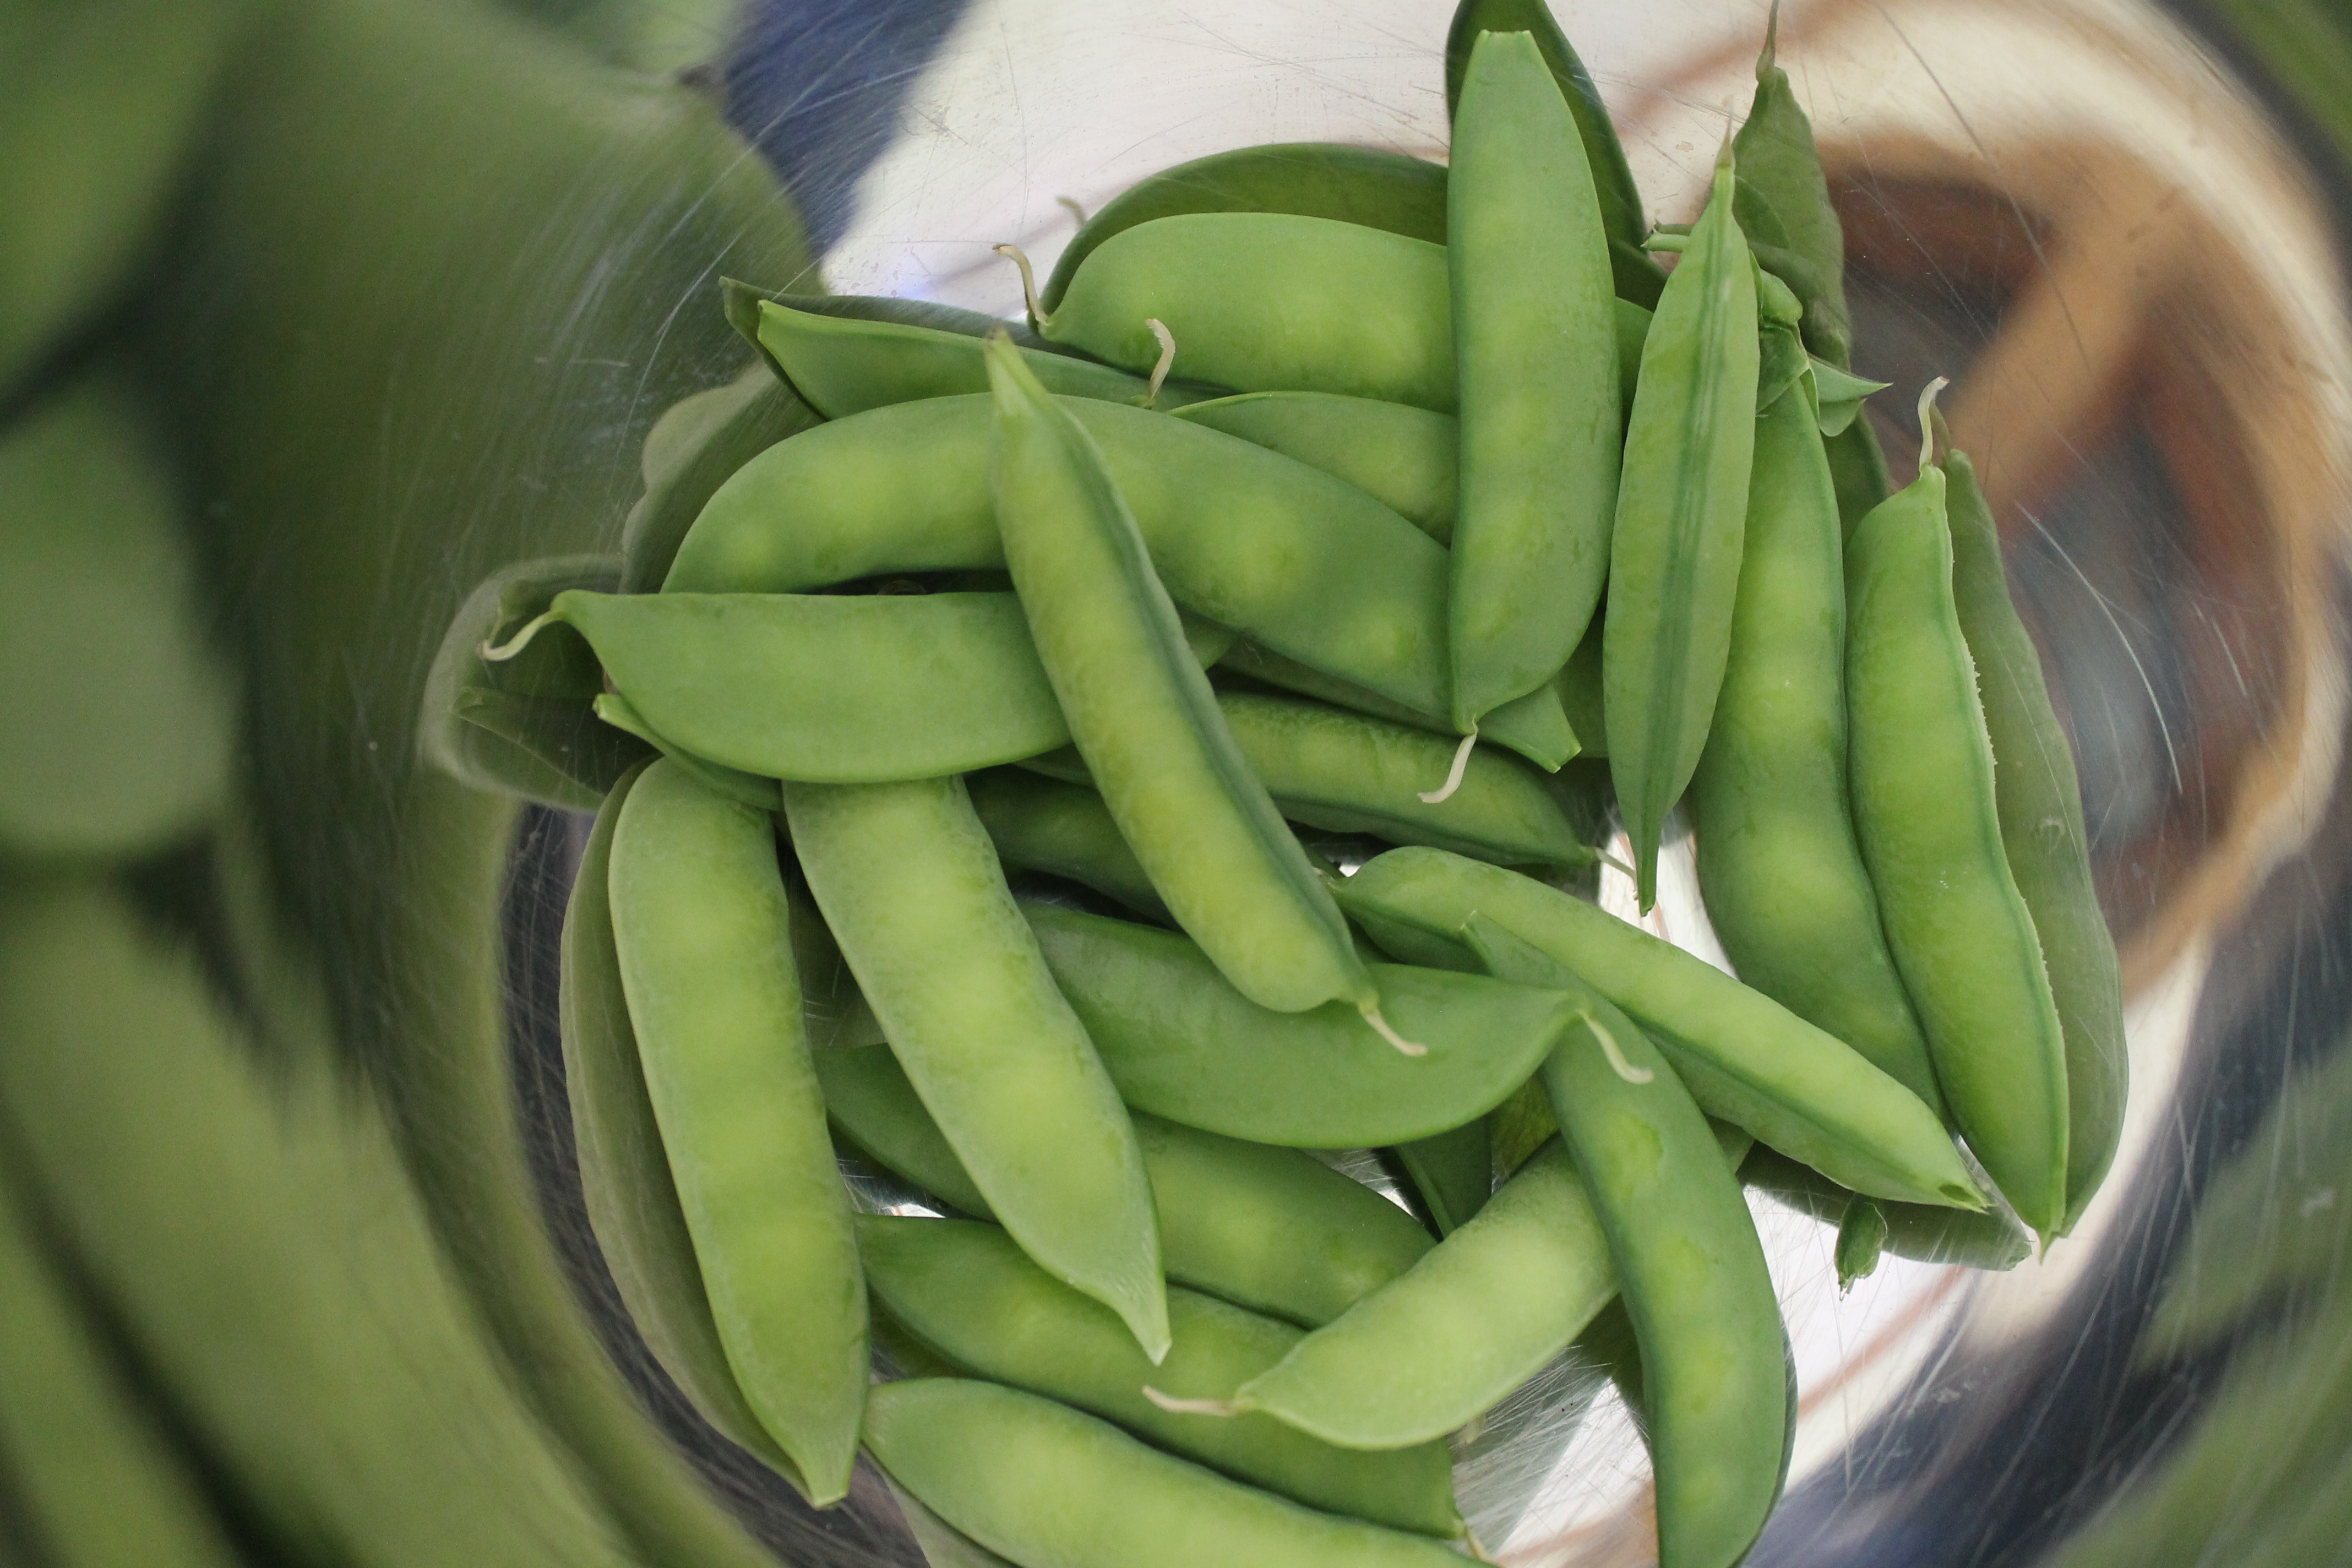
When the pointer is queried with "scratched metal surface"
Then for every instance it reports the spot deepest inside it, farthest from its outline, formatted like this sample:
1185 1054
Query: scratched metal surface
2107 228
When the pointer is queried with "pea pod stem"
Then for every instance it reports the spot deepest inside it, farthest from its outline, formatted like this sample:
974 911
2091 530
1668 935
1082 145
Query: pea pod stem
1445 792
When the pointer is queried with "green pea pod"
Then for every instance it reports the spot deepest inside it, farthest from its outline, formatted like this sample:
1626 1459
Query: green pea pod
1841 395
1784 878
1046 824
1859 468
1309 179
1535 346
1452 1173
1346 773
90 1467
1681 513
1861 1238
701 930
119 717
832 1006
1293 559
827 689
1924 812
1627 224
1182 1043
1401 456
964 1290
912 891
1268 1228
633 1207
2040 806
1745 1058
689 453
1472 1321
1042 1483
1535 726
754 790
1993 1239
942 1543
1269 302
1143 715
1776 156
847 365
1688 1260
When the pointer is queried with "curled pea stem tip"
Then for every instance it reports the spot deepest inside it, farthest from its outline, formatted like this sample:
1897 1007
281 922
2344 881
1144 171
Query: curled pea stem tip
1070 205
1927 395
1616 1053
1019 258
1387 1031
1176 1406
500 652
1167 358
1445 792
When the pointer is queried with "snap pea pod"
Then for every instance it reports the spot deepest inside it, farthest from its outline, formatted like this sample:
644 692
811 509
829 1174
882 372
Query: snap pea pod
1268 1228
750 789
1535 726
1042 823
1401 456
1183 1044
828 688
1926 1232
701 932
1302 562
689 453
964 1290
1681 512
848 364
1745 1058
1042 1483
1925 812
913 893
1143 715
1691 1268
1776 156
1637 277
832 1007
1535 350
1309 179
1473 1319
1859 468
1346 773
1861 1240
1785 886
1452 1173
633 1207
2041 805
942 1543
1269 302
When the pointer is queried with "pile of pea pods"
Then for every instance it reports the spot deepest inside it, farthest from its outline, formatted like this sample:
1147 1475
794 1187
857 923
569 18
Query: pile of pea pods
1087 771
